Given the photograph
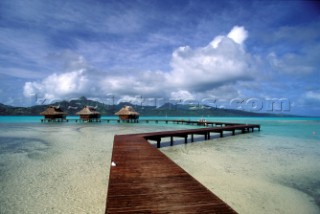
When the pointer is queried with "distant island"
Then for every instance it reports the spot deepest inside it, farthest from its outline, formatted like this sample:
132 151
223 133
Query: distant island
167 109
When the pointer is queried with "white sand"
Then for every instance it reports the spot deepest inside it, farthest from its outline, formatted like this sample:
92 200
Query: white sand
61 168
70 176
244 175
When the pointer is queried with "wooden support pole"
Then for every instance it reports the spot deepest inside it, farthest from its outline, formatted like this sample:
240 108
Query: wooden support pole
192 140
221 133
158 142
233 132
208 135
171 140
186 139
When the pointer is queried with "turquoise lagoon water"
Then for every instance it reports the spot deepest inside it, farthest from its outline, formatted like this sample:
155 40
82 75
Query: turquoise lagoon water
64 167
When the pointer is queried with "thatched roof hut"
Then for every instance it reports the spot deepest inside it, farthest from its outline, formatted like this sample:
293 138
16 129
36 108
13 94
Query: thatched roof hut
127 113
53 112
89 113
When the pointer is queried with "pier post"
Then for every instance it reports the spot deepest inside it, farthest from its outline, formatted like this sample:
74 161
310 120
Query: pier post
171 140
221 133
192 140
158 142
186 139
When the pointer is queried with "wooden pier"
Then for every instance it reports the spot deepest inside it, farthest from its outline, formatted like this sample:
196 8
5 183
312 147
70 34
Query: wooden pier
112 120
144 180
157 136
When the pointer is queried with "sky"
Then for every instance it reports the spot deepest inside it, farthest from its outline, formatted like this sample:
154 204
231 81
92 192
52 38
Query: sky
245 55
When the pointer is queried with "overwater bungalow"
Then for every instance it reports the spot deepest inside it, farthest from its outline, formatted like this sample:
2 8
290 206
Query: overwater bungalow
89 113
127 113
53 113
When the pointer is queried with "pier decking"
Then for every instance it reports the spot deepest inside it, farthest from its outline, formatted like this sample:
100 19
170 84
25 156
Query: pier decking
157 136
144 180
112 120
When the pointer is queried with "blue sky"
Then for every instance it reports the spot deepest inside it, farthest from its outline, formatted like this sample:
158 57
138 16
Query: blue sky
222 51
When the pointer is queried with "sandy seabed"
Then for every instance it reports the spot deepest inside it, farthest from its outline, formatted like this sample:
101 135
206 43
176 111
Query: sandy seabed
54 168
249 177
57 168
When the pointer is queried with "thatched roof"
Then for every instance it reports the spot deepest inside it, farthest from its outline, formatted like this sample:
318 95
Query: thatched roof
53 110
88 110
127 110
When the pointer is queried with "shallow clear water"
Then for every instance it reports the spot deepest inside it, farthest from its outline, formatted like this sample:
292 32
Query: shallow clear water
64 167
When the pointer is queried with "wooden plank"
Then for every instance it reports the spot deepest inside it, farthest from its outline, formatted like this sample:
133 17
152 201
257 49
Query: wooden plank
144 180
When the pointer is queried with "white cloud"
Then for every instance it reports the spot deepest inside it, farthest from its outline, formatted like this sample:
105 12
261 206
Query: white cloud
21 73
313 95
60 85
295 49
292 63
132 99
238 34
223 60
181 95
216 41
193 71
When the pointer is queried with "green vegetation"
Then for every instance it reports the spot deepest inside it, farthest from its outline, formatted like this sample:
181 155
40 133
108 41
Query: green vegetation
168 109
